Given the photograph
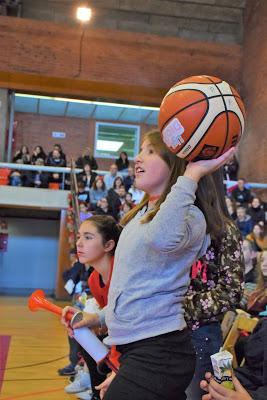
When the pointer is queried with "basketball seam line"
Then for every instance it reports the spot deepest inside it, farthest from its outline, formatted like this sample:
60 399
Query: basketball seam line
227 116
207 131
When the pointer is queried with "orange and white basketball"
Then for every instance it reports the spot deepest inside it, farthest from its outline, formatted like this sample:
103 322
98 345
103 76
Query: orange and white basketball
201 117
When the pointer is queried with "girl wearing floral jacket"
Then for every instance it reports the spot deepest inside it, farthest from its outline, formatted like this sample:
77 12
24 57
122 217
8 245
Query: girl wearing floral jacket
217 281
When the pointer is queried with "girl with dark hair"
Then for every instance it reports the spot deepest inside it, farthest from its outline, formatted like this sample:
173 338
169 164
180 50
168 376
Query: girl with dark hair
122 162
162 237
38 152
96 242
98 191
113 196
22 154
216 286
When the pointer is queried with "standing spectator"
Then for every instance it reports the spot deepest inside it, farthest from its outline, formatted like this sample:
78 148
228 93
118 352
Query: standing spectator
22 154
38 153
87 177
110 176
256 212
98 191
230 170
216 285
122 162
55 159
59 149
243 221
86 158
137 194
258 238
241 194
129 179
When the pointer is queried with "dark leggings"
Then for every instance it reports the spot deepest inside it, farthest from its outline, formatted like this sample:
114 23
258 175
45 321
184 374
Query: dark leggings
96 377
155 368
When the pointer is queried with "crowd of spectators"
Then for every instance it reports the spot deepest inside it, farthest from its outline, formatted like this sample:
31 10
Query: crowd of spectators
113 194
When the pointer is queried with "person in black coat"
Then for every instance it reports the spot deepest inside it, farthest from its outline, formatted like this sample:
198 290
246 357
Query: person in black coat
87 177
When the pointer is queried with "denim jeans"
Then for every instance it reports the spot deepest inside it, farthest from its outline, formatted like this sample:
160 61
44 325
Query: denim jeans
206 340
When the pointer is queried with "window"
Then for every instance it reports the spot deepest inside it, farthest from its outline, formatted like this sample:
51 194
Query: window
111 139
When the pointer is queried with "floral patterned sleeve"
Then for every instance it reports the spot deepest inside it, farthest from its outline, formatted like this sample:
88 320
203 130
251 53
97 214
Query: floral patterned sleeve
217 281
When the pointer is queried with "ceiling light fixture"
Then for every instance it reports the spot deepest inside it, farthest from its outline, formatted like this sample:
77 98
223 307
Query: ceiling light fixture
84 14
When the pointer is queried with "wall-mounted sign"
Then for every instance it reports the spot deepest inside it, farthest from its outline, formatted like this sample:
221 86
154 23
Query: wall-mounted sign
59 135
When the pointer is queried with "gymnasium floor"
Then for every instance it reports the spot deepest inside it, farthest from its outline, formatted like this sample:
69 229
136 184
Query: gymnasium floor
33 345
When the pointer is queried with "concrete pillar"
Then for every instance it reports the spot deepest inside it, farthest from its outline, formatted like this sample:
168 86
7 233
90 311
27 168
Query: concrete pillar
3 122
253 150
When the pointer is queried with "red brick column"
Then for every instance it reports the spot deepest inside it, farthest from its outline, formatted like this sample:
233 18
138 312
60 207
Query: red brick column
253 150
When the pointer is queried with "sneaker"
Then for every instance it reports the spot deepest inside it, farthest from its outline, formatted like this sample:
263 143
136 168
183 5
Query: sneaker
81 383
67 371
86 395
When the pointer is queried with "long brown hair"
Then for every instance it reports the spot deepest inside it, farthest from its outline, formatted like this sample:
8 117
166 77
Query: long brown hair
208 196
260 276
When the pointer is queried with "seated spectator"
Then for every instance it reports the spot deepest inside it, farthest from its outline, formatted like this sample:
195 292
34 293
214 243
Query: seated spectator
54 181
114 198
38 153
82 194
15 178
125 207
103 207
241 194
230 170
87 177
122 194
231 207
59 149
23 155
129 198
122 162
129 179
84 212
243 221
38 179
137 194
257 300
257 238
87 158
55 159
249 258
257 212
110 176
98 191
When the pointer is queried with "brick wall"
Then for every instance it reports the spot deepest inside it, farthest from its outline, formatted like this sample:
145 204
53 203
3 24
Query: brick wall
43 57
253 150
33 130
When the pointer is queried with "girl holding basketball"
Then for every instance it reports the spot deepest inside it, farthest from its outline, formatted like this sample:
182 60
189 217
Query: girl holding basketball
161 238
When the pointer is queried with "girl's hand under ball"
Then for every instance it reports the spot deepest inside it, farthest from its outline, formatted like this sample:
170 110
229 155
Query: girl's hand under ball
197 169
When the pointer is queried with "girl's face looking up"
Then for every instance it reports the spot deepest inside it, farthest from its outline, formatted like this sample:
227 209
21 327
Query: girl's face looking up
151 171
